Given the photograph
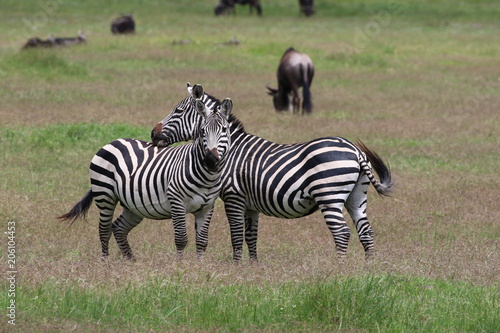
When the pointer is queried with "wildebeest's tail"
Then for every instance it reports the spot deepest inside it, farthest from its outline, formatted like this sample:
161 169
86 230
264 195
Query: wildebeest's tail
386 184
306 76
80 209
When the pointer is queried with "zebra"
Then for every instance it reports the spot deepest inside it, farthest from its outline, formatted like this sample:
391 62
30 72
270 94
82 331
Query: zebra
159 183
196 92
290 181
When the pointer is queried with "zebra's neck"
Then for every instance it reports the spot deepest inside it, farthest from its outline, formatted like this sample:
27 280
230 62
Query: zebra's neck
236 127
198 155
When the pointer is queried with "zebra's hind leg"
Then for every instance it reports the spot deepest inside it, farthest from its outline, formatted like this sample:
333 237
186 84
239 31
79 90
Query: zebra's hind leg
121 228
106 210
356 206
337 226
202 222
235 212
251 232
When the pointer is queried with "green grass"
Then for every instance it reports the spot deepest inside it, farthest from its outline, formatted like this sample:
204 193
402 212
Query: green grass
43 151
365 304
46 64
76 137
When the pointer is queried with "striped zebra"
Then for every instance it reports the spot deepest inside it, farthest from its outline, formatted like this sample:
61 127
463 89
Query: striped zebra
290 181
196 92
159 183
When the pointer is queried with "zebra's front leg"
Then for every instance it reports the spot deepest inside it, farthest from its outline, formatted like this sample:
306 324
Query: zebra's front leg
235 212
251 233
202 222
180 233
338 227
121 228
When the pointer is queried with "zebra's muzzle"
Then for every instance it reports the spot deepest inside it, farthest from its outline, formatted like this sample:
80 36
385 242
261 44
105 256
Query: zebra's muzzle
161 143
212 159
158 138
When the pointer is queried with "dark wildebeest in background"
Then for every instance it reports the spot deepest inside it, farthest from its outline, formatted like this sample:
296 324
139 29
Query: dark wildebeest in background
123 25
306 7
294 71
67 41
37 42
227 6
55 41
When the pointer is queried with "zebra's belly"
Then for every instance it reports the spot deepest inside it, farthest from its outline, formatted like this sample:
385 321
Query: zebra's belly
288 209
158 210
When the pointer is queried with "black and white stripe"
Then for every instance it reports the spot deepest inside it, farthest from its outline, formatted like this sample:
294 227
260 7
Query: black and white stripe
159 183
185 107
291 181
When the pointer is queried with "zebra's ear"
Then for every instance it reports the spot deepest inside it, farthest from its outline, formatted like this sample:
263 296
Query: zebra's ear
226 107
201 108
197 91
189 88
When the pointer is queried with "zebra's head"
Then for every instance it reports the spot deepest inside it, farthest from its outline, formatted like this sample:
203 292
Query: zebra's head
180 124
213 133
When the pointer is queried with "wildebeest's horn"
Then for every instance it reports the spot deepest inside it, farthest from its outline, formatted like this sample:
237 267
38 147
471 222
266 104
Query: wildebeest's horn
272 91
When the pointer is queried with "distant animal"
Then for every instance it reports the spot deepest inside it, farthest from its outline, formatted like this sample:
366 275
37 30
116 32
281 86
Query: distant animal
55 41
286 180
295 70
123 25
306 7
227 6
232 41
37 42
159 183
67 41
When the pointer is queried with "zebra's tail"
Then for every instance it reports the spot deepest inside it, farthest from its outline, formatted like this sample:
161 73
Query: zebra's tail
79 210
386 183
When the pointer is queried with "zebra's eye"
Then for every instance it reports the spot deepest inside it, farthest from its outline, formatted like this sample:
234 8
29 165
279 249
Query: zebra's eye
202 131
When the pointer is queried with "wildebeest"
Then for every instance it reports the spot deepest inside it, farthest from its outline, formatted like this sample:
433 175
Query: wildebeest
37 42
227 6
306 7
294 71
66 41
55 41
123 25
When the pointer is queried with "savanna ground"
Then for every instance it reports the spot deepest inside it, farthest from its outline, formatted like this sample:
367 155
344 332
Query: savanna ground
418 81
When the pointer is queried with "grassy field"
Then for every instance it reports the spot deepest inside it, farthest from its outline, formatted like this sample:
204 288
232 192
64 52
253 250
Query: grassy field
417 81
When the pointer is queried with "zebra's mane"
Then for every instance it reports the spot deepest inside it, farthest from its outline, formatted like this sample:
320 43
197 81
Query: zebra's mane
213 98
236 124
